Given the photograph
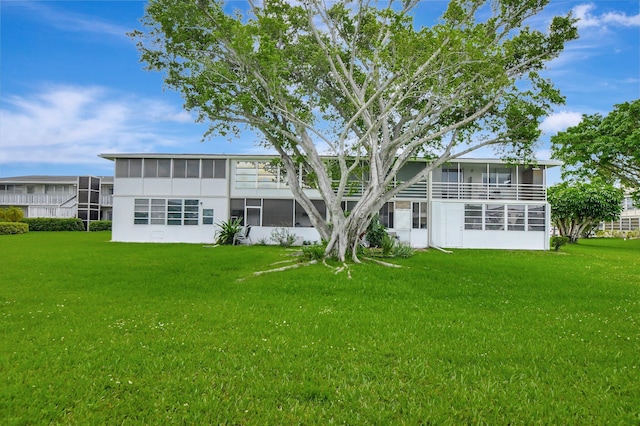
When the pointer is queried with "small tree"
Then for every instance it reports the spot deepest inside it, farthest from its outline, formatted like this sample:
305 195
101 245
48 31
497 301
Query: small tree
576 206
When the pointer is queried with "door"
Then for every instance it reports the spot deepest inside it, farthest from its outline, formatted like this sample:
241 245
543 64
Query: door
454 224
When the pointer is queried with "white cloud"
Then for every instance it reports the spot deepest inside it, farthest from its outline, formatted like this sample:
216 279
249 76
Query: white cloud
585 17
71 21
560 121
70 124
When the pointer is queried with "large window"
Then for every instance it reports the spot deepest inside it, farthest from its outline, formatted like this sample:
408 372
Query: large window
386 215
159 211
491 217
497 175
272 212
166 168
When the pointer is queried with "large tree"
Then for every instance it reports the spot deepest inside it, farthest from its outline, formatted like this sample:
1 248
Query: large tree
361 82
606 146
578 206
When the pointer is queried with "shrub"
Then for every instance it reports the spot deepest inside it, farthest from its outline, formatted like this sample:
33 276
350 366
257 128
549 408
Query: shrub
11 214
100 225
313 251
53 224
375 232
403 250
558 241
387 245
227 232
8 228
283 237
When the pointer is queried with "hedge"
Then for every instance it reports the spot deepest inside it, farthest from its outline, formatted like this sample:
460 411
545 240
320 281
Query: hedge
53 224
100 225
8 228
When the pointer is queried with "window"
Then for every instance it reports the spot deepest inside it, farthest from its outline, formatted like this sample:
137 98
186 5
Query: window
128 168
174 212
141 211
179 168
219 171
277 213
207 216
419 215
157 168
207 169
500 176
386 215
536 217
515 217
246 174
494 217
158 211
267 175
193 169
301 216
473 216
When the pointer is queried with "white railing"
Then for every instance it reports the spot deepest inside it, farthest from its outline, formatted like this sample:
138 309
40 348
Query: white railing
34 199
461 191
491 191
106 200
57 212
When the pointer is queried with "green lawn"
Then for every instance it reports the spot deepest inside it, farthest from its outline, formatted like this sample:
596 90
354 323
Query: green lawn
94 332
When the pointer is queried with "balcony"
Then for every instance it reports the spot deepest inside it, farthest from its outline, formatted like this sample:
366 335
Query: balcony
491 191
34 199
106 200
461 191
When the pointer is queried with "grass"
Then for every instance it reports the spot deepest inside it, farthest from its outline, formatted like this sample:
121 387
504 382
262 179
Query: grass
94 332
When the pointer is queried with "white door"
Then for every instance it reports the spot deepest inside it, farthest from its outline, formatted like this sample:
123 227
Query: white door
454 223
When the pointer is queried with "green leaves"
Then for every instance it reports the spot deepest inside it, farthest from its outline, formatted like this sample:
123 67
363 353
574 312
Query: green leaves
605 146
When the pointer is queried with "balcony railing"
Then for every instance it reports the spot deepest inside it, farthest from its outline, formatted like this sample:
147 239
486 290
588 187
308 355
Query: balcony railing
462 191
491 191
49 211
34 199
106 200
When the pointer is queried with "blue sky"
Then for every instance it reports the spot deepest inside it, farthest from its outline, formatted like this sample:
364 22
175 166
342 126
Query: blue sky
72 86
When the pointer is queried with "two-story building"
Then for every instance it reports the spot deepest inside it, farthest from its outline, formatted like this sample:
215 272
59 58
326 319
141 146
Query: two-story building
86 197
469 203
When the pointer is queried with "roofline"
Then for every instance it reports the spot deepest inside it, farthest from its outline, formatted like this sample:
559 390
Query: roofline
114 156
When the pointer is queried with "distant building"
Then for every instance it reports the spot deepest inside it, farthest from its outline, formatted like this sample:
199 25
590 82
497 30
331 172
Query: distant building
86 197
629 218
468 203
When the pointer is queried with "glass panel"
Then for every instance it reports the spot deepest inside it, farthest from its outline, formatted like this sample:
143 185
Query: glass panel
536 217
267 176
179 168
220 169
277 213
207 216
122 168
164 168
515 218
386 215
193 168
473 216
301 216
236 207
135 167
150 168
494 217
253 216
207 169
419 215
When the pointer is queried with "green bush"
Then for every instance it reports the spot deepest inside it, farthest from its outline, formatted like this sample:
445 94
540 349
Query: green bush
227 232
8 228
11 214
53 224
100 225
313 251
283 237
558 241
376 232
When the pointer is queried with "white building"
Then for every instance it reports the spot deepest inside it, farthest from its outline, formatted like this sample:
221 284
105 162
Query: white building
629 217
469 203
86 197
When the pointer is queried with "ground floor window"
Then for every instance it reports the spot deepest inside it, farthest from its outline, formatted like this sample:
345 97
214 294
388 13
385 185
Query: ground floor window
160 211
419 215
272 212
500 217
385 215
